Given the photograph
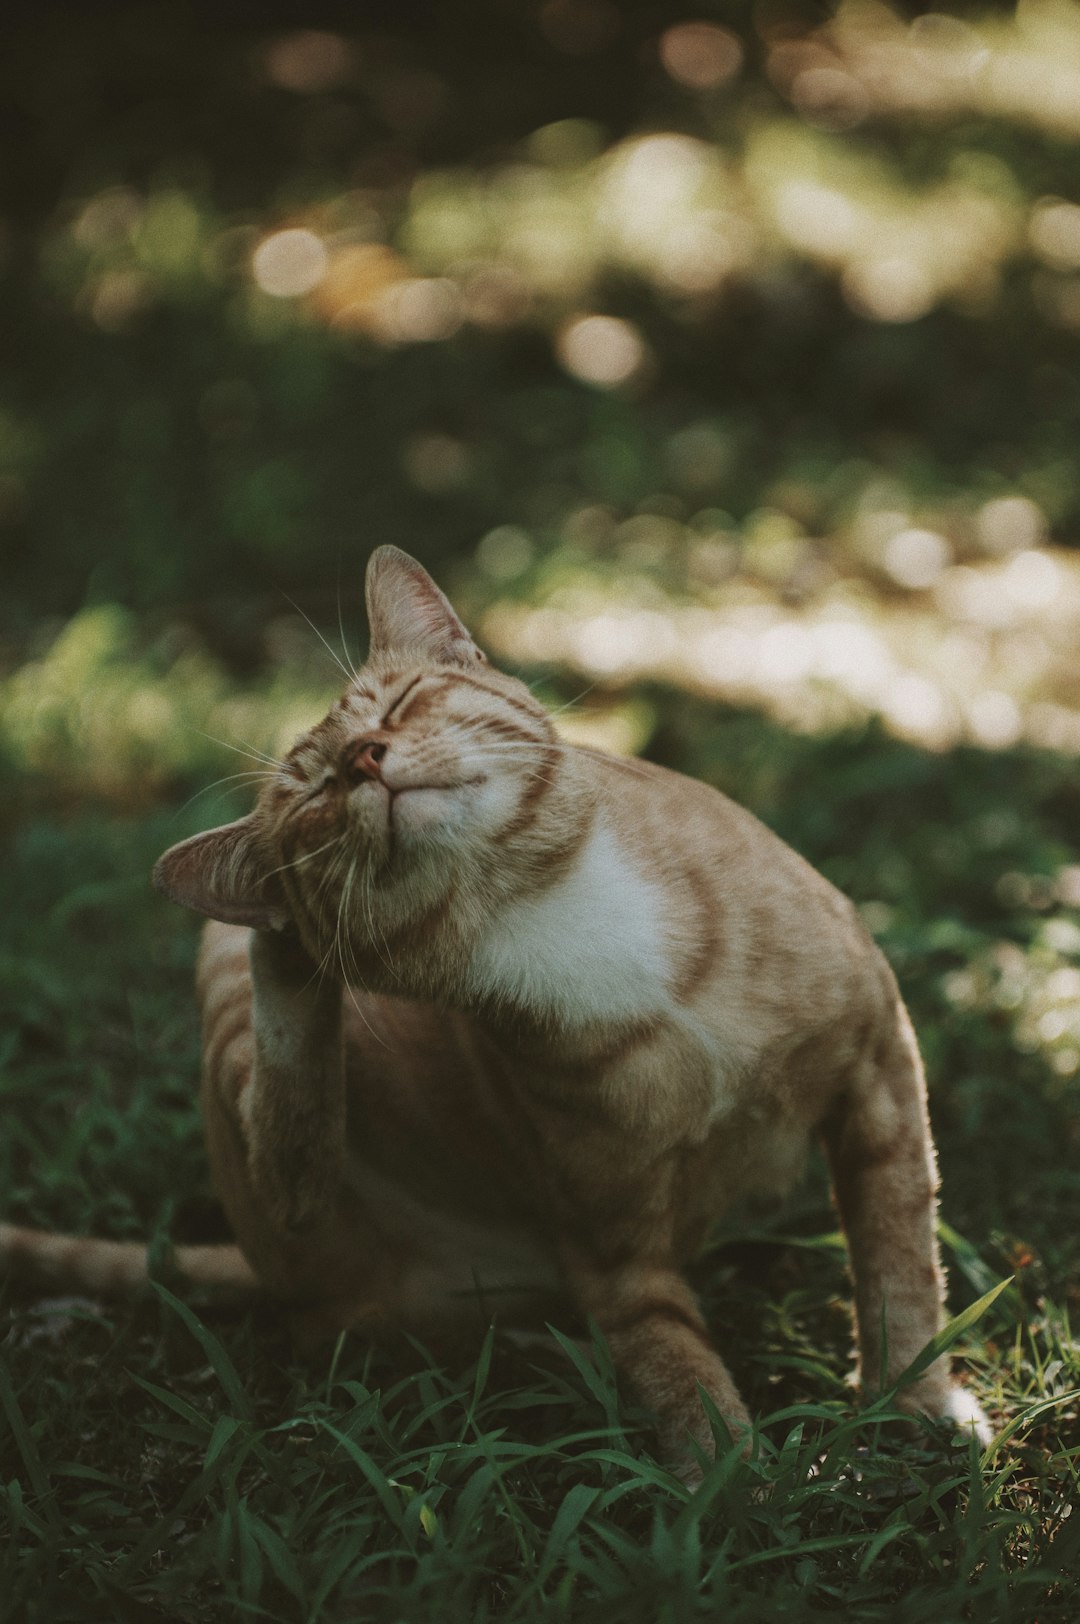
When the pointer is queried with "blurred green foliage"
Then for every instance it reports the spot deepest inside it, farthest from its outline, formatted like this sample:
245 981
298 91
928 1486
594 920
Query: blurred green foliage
845 289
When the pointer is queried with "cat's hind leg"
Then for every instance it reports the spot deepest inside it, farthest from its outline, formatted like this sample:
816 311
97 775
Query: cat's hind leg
884 1174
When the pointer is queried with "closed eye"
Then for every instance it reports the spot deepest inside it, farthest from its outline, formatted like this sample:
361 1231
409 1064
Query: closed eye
405 692
317 789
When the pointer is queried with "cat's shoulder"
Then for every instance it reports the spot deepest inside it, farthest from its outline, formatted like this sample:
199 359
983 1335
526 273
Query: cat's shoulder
675 826
642 794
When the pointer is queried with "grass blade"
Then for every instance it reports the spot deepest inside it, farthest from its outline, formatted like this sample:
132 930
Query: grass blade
27 1447
219 1360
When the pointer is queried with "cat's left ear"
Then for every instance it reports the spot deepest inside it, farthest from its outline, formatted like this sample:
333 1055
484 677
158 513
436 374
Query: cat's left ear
223 875
407 612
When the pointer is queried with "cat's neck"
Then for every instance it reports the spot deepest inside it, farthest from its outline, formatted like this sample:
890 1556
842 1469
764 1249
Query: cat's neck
541 928
587 949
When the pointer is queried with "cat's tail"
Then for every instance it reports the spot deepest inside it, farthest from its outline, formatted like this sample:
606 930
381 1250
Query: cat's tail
47 1261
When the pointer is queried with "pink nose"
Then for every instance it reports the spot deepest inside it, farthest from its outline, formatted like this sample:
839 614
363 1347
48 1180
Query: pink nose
362 760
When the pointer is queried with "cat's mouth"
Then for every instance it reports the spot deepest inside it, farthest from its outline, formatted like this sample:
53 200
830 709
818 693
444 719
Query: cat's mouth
411 808
451 783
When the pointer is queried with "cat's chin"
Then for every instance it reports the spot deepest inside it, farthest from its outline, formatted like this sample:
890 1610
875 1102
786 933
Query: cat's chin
425 816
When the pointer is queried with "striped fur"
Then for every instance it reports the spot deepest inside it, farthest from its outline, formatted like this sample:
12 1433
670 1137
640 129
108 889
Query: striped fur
114 1268
491 1022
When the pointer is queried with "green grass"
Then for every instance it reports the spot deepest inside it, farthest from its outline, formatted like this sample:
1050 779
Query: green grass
169 1459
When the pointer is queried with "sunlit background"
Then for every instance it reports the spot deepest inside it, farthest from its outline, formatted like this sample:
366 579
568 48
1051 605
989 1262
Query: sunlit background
733 349
722 361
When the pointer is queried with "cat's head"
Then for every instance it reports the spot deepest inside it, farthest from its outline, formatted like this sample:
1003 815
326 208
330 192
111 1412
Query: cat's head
432 771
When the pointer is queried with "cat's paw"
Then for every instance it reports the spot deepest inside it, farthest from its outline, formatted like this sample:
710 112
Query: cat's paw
964 1412
954 1407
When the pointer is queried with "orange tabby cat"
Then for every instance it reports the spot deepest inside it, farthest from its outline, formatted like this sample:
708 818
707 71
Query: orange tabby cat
495 1021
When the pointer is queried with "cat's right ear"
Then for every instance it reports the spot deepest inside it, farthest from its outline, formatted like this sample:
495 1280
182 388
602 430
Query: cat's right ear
222 874
407 612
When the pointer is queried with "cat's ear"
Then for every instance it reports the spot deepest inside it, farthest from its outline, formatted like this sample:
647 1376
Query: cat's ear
407 612
222 874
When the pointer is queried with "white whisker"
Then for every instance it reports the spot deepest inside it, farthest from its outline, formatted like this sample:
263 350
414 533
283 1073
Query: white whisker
307 857
344 642
230 778
570 703
369 916
342 944
250 751
326 645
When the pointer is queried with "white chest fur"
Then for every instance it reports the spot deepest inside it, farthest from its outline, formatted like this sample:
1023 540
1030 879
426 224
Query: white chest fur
589 948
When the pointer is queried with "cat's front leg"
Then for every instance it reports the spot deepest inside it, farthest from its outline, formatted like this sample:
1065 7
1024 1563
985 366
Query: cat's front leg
660 1346
293 1109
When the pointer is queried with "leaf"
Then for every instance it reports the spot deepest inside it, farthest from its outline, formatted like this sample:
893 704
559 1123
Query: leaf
577 1503
592 1378
27 1447
222 1365
225 1429
370 1471
1030 1413
644 1471
833 1542
428 1520
337 1564
251 1561
280 1557
483 1367
978 1274
894 1530
14 1495
174 1402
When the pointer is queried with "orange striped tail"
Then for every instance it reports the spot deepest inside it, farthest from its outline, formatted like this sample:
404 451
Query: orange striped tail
80 1263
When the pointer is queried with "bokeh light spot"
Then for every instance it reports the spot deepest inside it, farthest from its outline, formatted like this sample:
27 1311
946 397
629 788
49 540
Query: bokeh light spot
829 98
701 56
566 143
601 350
917 709
1032 579
118 298
1054 232
108 219
894 288
817 217
290 263
420 310
915 558
436 463
505 552
995 720
308 61
1008 524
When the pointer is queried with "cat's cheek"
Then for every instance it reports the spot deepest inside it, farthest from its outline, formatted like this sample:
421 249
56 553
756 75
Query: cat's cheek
315 822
